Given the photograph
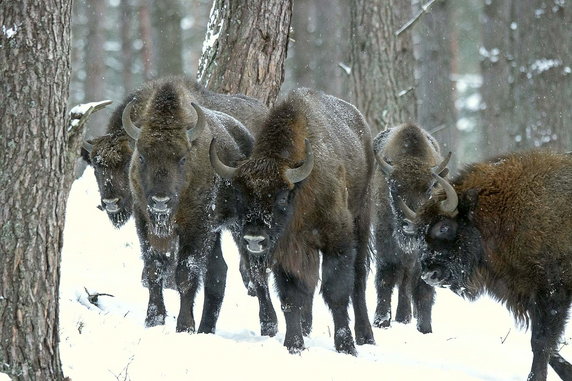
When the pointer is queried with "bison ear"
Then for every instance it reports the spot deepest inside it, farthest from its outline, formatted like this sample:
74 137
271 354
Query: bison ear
468 204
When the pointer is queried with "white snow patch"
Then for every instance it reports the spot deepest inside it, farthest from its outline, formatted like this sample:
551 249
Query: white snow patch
9 32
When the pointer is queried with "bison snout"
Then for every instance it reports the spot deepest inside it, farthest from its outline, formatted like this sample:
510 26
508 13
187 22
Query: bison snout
160 204
256 244
110 204
434 277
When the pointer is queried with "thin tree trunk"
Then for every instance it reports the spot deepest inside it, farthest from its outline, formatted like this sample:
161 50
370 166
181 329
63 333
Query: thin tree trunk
35 71
145 35
166 20
543 74
94 84
245 47
126 45
436 110
382 63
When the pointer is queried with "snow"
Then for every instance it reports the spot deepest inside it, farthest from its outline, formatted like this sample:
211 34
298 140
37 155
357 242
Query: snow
9 32
471 341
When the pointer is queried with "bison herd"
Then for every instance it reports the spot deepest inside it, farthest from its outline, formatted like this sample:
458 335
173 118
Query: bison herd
307 178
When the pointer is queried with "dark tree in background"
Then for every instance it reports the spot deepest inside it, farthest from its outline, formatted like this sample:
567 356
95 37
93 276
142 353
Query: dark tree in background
95 66
127 38
319 48
497 60
543 73
166 21
245 47
382 63
435 88
34 183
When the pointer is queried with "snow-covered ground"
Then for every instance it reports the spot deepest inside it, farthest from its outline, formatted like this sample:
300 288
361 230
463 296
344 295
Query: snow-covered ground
471 341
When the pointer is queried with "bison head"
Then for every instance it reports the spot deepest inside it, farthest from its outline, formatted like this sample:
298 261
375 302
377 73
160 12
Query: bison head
162 164
449 241
265 190
109 156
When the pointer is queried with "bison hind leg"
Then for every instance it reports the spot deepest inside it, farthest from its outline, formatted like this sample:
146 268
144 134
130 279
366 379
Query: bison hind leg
562 367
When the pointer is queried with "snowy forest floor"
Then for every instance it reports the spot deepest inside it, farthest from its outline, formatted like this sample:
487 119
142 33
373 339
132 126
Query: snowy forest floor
470 341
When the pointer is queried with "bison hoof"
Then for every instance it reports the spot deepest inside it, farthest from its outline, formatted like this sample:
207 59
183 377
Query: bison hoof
269 329
423 328
155 320
345 342
295 344
381 323
365 338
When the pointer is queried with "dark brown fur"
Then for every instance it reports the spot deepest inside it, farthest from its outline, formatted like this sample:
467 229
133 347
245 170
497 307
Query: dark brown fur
166 164
413 154
328 211
511 237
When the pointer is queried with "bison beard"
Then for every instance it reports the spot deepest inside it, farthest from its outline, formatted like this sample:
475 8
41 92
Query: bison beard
161 224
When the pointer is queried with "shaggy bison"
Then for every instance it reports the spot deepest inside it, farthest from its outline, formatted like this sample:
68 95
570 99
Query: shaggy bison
305 190
504 227
110 154
407 156
178 198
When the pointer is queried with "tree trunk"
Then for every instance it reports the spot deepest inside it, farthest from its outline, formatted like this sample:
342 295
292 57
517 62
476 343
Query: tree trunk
145 35
94 85
319 46
126 11
34 185
435 107
166 20
382 63
543 74
245 47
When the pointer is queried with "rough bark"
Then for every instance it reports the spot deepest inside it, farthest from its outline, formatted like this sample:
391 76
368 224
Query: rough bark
381 63
166 18
436 109
543 74
35 71
245 47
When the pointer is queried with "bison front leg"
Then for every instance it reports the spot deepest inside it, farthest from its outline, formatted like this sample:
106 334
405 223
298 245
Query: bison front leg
187 275
214 285
293 295
259 278
423 298
337 285
154 269
548 313
385 280
363 330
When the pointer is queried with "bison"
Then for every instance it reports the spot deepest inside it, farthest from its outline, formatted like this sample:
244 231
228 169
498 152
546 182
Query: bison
177 197
110 154
305 190
407 156
503 227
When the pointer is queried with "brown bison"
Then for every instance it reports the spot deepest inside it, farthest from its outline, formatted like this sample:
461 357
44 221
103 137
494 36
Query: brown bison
504 227
407 157
305 190
110 154
177 197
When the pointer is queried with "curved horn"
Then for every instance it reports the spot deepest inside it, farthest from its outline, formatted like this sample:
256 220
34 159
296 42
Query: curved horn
440 167
87 146
386 168
449 205
407 211
132 130
196 131
295 175
223 170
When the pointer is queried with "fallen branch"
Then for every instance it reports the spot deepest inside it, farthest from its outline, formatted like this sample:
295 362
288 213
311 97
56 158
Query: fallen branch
411 22
94 298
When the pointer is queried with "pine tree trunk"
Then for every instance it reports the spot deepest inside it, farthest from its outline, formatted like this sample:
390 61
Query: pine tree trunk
382 63
34 184
245 47
166 20
436 110
543 74
126 18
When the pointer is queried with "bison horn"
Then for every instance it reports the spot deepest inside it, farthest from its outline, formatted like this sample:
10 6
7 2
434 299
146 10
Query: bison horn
449 205
409 214
132 130
295 175
386 168
87 146
196 131
223 170
439 168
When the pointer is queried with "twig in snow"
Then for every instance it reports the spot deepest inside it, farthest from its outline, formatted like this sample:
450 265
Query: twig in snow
504 339
94 298
411 22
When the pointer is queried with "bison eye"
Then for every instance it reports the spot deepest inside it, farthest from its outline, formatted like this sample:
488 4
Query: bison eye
141 159
183 161
282 199
444 230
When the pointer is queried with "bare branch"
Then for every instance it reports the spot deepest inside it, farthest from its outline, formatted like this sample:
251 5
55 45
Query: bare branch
411 22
